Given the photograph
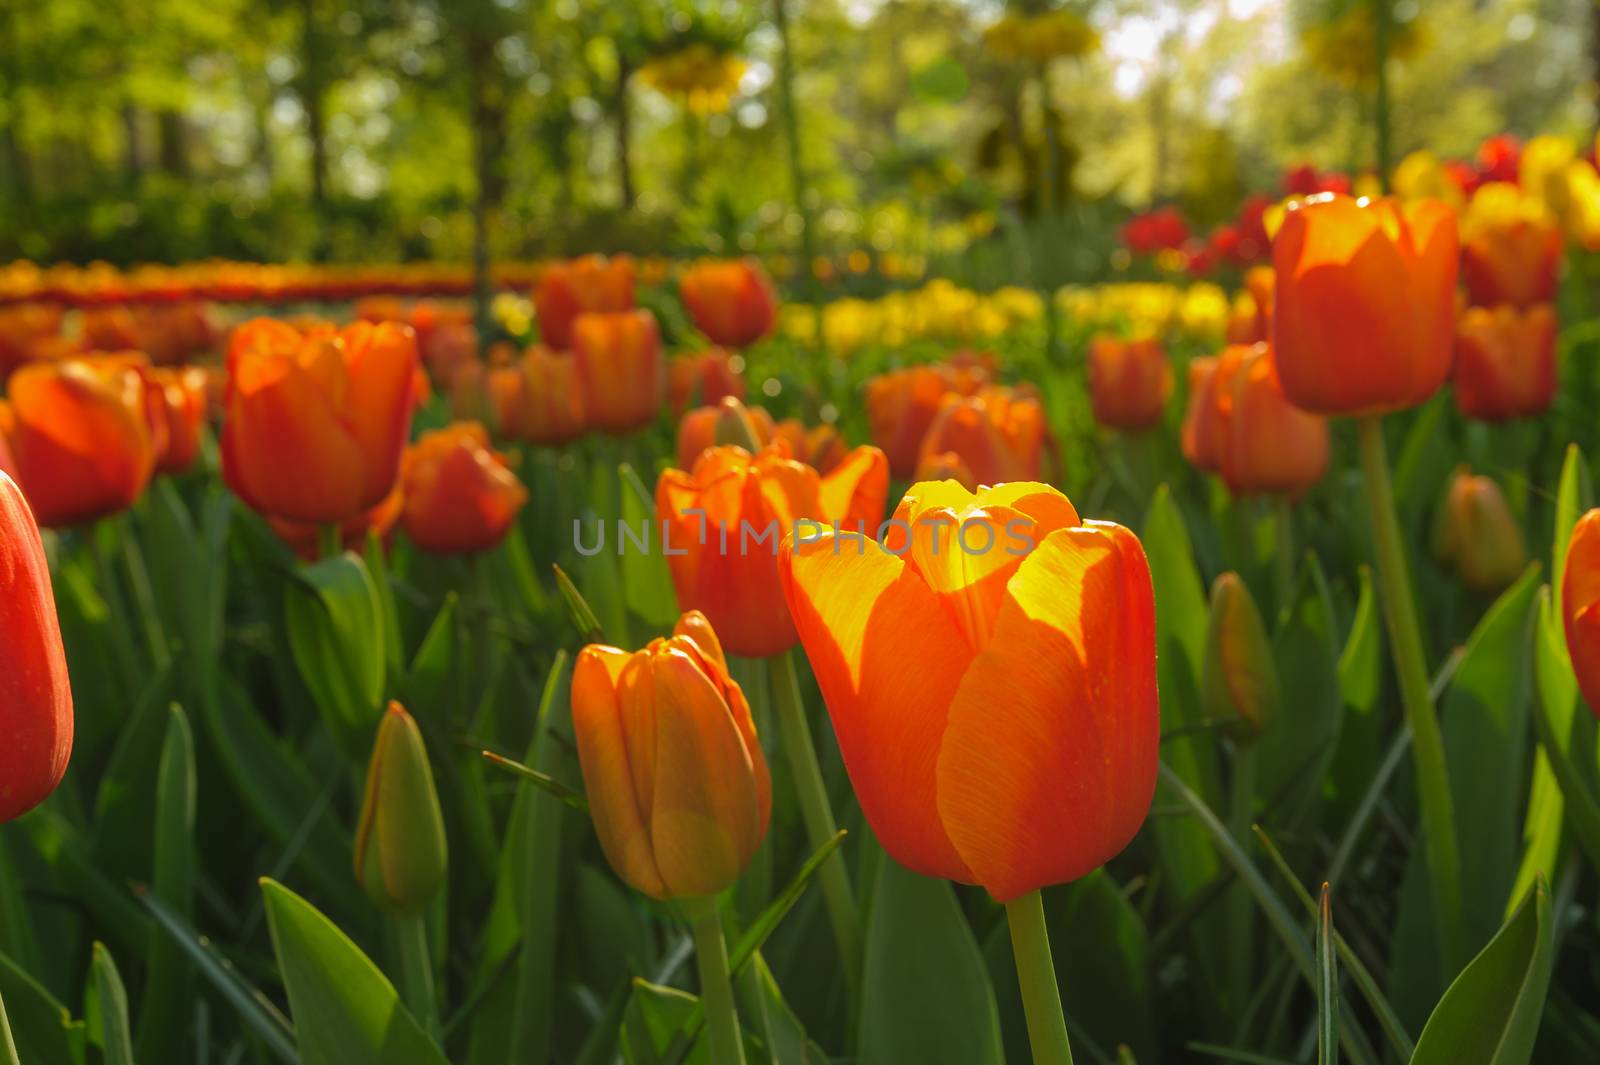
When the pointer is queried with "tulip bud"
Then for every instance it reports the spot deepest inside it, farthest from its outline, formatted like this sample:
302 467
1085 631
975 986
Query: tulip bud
677 782
1475 533
35 696
1580 606
735 426
1239 678
401 853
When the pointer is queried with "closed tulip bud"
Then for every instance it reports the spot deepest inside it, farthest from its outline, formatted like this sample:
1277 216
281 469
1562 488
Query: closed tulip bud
676 779
1580 606
819 446
1265 444
83 436
565 290
1364 312
1238 678
731 301
620 369
703 379
182 406
316 423
1129 382
1476 534
460 494
1511 248
402 856
729 422
901 405
723 523
35 694
1506 362
991 676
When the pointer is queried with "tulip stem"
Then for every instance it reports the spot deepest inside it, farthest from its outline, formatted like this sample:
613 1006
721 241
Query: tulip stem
8 1048
1036 973
817 814
1433 780
416 971
716 986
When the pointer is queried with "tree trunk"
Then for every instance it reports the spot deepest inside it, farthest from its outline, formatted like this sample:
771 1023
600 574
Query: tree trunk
133 160
311 98
791 132
624 121
489 136
174 143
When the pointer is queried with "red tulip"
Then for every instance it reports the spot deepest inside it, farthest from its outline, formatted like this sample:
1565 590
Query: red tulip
580 286
731 301
1505 362
1129 382
620 369
460 494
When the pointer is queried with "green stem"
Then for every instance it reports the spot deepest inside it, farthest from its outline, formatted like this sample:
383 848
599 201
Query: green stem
8 1048
1283 551
1427 743
416 971
1036 972
817 814
111 591
330 539
716 987
144 599
1241 906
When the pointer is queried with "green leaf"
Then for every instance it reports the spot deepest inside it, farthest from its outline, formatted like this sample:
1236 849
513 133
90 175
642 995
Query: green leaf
578 608
1361 735
1490 1015
378 565
769 1019
163 1012
1297 747
1327 985
111 1002
926 994
430 682
42 1028
345 1010
1574 495
646 580
943 81
653 1017
336 632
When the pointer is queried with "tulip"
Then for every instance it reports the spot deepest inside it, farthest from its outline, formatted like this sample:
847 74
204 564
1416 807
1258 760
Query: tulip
182 406
1129 382
820 446
447 339
578 286
990 673
401 855
946 466
1476 534
901 405
460 495
997 435
1364 306
1239 679
1505 361
1580 606
1198 436
731 301
82 437
620 369
729 422
703 379
35 694
1264 444
1510 248
316 423
540 399
722 523
677 783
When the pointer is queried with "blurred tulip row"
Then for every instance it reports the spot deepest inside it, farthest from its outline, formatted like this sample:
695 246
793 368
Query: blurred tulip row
647 671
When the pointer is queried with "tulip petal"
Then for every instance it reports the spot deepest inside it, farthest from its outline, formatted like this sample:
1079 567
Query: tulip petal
888 660
382 363
1048 765
855 491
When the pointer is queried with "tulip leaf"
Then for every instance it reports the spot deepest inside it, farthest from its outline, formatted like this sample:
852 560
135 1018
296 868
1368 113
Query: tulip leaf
346 1012
1296 748
111 1004
926 995
1490 1014
1360 685
770 1019
646 580
583 616
42 1028
653 1016
378 565
433 671
335 621
1327 985
1574 495
168 981
125 804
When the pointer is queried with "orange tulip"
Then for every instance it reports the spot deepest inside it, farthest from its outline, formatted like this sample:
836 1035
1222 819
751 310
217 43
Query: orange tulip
1580 606
82 436
1129 382
998 435
316 423
1476 534
702 379
549 397
705 427
1505 361
722 524
731 301
946 466
820 446
182 405
304 538
677 783
460 494
1264 443
35 694
447 339
578 286
1364 312
620 369
991 676
902 404
1198 437
1510 248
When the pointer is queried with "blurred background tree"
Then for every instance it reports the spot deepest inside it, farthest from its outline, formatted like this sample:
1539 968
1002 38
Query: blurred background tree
368 130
